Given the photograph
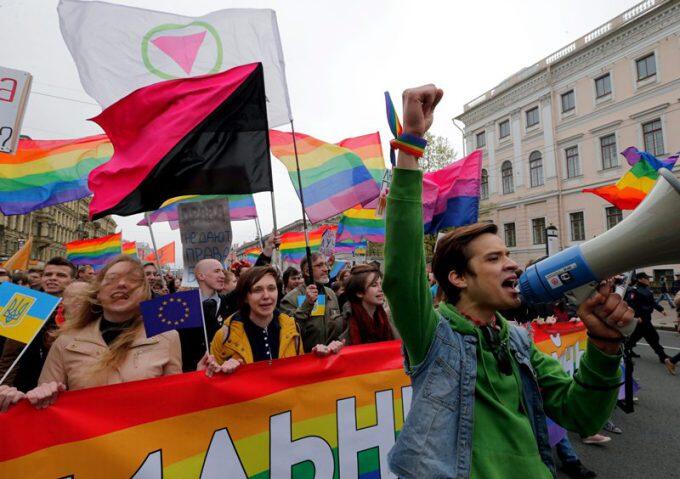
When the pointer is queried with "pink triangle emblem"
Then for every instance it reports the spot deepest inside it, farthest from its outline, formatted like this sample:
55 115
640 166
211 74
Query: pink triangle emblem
182 49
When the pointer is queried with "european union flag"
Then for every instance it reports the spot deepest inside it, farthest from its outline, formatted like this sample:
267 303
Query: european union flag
173 311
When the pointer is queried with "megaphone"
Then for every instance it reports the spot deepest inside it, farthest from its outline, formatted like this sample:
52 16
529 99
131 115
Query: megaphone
645 238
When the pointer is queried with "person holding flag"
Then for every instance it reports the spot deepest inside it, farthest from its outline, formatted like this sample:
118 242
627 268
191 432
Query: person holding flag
104 344
481 388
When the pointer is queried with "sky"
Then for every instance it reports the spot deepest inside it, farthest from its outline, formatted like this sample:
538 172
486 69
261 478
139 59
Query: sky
340 58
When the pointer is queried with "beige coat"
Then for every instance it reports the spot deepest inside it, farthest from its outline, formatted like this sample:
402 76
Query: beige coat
74 356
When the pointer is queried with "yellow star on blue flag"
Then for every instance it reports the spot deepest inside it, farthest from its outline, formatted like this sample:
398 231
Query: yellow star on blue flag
173 311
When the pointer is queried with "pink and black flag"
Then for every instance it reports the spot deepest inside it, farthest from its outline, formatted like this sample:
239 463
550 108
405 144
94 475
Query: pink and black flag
451 195
192 136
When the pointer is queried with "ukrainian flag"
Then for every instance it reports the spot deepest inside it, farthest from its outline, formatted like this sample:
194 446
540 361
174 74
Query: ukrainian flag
23 311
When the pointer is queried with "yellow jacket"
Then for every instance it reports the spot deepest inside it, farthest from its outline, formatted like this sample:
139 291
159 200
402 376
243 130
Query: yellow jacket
231 340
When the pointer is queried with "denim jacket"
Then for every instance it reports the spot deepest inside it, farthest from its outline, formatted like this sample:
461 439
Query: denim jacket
436 440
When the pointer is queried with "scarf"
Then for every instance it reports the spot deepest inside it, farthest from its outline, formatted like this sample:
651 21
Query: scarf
366 329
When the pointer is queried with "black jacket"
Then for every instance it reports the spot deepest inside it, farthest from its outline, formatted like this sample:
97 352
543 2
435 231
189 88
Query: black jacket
641 299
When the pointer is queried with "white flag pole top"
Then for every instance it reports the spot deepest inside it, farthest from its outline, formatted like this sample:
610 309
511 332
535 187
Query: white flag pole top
148 46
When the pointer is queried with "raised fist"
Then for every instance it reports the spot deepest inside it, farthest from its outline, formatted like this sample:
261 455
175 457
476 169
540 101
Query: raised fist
419 105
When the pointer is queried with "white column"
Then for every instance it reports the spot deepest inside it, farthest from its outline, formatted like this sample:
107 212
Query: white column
517 164
549 166
492 168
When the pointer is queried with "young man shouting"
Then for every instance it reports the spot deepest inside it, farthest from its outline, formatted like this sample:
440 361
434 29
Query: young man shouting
481 389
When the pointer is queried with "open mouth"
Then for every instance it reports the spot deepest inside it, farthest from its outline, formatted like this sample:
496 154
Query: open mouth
511 284
117 296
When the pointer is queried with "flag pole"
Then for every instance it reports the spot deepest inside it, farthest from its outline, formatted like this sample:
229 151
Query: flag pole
310 278
259 232
276 255
155 250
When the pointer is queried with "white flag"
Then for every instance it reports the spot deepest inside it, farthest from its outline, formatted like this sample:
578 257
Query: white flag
119 49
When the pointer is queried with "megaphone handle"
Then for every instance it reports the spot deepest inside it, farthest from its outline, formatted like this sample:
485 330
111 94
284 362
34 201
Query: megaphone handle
579 295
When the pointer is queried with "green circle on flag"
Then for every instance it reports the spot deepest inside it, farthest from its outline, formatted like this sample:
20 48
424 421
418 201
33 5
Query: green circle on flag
174 26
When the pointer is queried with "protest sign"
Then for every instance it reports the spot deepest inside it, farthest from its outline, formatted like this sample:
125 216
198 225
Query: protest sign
205 229
327 243
301 417
15 86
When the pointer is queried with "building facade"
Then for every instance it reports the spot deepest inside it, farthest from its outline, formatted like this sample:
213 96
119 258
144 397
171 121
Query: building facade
558 126
51 228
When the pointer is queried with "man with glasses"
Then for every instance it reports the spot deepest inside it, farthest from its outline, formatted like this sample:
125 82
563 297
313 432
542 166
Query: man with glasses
4 276
481 388
315 306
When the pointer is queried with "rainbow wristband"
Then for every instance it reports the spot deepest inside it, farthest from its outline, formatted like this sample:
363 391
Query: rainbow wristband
410 144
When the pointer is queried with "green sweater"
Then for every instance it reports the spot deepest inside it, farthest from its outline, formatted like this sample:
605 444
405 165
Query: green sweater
504 445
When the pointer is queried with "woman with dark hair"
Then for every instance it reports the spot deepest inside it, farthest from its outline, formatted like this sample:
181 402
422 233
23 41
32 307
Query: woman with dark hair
258 331
364 312
20 278
104 341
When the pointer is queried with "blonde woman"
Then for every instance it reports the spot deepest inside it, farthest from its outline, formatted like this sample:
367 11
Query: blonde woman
105 343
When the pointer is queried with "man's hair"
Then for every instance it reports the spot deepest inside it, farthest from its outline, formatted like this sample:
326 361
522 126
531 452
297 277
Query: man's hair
452 254
61 261
150 264
290 271
303 263
247 280
35 270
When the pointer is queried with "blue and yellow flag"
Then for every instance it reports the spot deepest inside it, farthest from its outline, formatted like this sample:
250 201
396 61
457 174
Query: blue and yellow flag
23 311
173 311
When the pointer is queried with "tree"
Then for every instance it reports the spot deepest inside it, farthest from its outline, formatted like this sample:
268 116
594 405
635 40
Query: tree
438 153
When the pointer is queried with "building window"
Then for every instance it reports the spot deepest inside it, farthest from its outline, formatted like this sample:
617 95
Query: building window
614 216
603 85
608 152
568 103
538 230
510 236
532 117
573 164
653 137
578 231
506 174
481 139
504 129
646 67
485 185
535 169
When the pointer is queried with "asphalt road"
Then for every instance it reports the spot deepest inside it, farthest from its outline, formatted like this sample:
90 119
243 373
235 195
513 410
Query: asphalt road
648 447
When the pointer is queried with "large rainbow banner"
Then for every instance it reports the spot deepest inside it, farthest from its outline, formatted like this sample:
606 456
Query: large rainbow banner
303 417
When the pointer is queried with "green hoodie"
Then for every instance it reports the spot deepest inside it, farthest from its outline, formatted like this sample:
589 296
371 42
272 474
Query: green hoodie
504 445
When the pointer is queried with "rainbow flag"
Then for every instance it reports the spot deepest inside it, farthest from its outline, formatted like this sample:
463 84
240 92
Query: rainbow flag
293 243
48 172
633 186
95 252
130 248
369 149
241 207
451 195
334 178
349 246
251 254
361 224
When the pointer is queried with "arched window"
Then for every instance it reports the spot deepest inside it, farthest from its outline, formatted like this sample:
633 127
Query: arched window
485 185
506 174
535 169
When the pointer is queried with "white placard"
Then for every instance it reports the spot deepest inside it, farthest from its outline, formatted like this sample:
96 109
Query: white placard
15 86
